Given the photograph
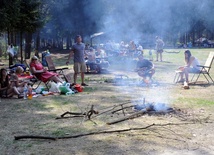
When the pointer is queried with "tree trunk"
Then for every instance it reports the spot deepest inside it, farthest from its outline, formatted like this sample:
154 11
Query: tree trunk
28 39
21 48
37 43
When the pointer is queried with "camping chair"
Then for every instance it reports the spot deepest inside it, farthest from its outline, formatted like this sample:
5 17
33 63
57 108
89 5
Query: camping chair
205 69
68 77
51 66
34 80
100 65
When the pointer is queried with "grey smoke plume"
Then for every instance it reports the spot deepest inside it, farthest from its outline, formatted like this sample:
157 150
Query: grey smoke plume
133 19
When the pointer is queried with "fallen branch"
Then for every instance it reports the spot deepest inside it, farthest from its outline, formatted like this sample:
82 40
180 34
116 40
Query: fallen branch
122 109
137 114
91 112
65 117
34 137
72 113
112 108
98 132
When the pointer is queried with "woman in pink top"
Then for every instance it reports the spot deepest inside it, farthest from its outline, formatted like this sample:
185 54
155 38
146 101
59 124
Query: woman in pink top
41 73
190 67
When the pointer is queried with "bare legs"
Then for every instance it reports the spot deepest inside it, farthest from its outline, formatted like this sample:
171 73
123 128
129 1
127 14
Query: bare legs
12 91
75 77
186 74
157 55
56 79
82 77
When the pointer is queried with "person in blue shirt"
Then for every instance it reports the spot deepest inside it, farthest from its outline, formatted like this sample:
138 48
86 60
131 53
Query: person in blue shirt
145 68
78 54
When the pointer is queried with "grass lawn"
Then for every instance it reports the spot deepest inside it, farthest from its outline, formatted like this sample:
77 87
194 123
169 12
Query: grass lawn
186 131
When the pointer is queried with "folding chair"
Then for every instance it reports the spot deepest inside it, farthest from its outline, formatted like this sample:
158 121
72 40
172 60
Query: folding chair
204 70
68 77
34 80
51 66
177 76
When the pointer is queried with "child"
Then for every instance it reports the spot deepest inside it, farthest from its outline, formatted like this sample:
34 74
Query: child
6 89
15 81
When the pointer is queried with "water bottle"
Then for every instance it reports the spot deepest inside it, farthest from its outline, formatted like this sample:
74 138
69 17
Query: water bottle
25 91
30 95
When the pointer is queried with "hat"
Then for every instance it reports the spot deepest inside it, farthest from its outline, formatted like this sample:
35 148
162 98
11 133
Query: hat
34 58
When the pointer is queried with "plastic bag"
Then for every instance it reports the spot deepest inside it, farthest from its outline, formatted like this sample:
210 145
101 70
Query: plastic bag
65 89
54 87
40 89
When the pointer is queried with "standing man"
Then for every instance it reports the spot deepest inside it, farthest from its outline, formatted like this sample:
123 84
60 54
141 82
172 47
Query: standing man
159 48
77 52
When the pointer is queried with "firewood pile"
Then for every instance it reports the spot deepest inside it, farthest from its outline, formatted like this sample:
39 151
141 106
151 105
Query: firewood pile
127 109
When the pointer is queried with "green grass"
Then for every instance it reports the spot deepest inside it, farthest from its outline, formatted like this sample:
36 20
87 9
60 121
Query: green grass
196 101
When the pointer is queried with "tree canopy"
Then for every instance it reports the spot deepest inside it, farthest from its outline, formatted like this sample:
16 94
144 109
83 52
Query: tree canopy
184 20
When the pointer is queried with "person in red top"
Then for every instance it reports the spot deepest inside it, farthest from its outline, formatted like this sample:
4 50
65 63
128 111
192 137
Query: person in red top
42 73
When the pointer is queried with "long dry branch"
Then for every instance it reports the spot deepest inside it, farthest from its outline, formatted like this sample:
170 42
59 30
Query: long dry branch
34 137
99 132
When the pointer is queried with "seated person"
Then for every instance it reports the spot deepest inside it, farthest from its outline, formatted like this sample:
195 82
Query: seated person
101 58
145 68
16 81
91 60
190 67
42 73
6 88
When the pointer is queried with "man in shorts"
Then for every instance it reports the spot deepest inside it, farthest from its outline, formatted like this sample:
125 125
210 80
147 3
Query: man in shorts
78 52
159 48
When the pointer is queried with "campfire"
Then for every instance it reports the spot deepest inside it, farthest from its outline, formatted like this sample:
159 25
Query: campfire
144 108
154 107
135 110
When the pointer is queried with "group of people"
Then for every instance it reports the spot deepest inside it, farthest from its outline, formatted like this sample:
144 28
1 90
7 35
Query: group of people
10 84
96 60
145 68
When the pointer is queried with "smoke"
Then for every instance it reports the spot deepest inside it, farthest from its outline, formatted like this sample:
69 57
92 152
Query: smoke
123 19
130 20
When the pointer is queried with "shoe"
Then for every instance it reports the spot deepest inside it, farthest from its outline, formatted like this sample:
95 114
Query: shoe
84 84
20 96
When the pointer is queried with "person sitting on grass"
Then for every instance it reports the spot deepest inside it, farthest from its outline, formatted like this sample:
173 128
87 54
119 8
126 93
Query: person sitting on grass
145 69
16 81
42 73
190 67
91 60
6 88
